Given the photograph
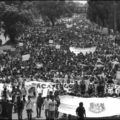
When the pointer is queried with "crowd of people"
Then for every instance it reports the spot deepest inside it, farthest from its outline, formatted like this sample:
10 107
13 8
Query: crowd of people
50 48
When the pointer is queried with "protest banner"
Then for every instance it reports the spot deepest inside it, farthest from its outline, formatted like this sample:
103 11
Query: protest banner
57 46
34 84
25 57
69 26
95 107
82 50
51 41
99 65
20 44
39 65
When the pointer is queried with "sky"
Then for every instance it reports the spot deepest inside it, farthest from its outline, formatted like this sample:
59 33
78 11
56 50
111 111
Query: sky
81 1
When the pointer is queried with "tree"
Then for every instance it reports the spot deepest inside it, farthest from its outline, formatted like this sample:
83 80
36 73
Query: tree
15 19
52 10
103 13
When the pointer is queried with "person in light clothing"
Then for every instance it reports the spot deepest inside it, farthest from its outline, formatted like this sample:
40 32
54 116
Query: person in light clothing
46 107
52 108
45 92
39 90
29 106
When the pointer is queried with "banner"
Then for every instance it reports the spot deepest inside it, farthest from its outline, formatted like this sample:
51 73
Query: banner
82 50
57 46
95 107
51 41
39 65
44 85
20 44
68 26
25 57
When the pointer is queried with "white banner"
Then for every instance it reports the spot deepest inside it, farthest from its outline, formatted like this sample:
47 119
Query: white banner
46 86
69 26
82 50
39 65
25 57
50 41
95 107
57 46
20 44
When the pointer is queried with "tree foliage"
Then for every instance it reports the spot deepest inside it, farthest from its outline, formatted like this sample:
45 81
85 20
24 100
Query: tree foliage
53 10
15 18
102 12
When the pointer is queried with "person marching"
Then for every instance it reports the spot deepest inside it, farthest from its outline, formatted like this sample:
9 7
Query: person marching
52 109
24 92
29 106
39 104
46 107
20 107
80 111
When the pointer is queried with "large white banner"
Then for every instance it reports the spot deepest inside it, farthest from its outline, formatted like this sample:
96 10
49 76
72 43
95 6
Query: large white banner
95 107
82 50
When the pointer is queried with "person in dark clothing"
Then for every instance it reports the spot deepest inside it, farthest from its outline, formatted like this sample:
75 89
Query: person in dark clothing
80 111
57 105
100 90
51 95
82 87
17 93
20 105
13 94
4 94
39 104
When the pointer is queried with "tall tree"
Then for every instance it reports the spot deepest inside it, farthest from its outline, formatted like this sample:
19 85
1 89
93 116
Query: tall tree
52 10
14 18
103 12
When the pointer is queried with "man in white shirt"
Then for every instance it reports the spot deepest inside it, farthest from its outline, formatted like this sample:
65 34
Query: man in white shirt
46 106
45 92
52 108
39 90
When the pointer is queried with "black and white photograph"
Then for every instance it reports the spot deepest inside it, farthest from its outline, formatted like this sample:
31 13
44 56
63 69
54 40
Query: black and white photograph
60 60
